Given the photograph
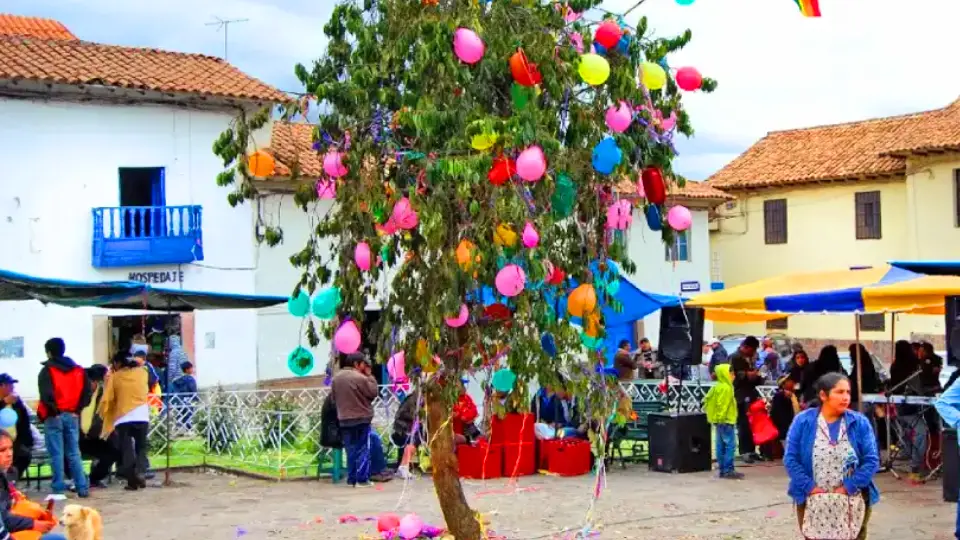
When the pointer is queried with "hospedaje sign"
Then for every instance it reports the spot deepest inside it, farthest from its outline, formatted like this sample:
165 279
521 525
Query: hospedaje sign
689 286
157 278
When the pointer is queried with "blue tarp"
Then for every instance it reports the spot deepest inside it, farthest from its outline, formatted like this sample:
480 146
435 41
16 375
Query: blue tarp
122 295
935 268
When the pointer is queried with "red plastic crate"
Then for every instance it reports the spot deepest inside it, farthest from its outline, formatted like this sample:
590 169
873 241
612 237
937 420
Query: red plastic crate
546 448
512 428
471 460
519 459
570 457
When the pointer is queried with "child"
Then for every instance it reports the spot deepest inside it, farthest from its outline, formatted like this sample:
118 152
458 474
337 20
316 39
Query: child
721 408
784 406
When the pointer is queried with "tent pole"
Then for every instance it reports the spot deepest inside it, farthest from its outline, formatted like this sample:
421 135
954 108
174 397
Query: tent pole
167 409
856 331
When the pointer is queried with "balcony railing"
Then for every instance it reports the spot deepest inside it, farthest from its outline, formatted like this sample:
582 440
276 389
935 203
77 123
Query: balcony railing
146 235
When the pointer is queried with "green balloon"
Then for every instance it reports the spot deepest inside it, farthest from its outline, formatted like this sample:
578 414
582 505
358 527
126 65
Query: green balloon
613 287
564 196
521 95
300 361
503 380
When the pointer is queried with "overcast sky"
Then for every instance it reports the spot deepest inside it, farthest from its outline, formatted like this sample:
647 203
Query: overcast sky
776 69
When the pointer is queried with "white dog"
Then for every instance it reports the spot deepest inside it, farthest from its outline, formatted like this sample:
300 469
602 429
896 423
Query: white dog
82 523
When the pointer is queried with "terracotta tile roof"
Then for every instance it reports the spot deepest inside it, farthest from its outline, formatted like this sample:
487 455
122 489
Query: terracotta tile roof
940 130
15 25
690 190
80 62
292 143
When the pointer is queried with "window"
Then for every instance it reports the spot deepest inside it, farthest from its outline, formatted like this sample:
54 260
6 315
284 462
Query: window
873 322
777 324
868 214
956 197
680 250
775 221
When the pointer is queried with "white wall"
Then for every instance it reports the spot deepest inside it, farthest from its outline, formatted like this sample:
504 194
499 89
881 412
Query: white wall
61 160
655 274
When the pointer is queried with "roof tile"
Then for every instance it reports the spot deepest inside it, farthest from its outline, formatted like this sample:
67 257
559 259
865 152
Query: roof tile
292 143
15 25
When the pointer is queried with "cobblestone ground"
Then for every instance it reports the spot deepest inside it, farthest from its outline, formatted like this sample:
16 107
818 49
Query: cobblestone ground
635 504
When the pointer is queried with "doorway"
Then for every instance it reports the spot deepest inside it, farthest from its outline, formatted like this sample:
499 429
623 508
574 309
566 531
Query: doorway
155 330
143 187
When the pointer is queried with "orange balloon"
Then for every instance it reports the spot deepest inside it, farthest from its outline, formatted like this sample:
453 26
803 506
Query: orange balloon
504 235
465 254
261 164
582 301
592 325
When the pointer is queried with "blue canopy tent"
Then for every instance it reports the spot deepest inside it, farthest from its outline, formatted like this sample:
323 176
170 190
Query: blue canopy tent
122 295
618 325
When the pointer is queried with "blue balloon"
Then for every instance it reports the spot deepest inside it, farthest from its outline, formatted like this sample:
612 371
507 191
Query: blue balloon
601 50
299 306
8 418
549 344
653 218
606 156
623 46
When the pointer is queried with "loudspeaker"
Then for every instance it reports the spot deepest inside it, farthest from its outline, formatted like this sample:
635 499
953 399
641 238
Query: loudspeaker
681 335
953 330
951 466
679 442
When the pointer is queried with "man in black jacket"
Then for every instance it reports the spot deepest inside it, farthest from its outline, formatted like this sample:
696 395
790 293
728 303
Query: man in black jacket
747 377
23 445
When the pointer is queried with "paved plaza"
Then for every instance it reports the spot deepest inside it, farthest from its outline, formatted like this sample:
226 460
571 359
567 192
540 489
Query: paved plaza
635 504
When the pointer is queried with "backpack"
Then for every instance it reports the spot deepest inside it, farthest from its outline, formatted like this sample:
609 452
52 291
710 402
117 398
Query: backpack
330 424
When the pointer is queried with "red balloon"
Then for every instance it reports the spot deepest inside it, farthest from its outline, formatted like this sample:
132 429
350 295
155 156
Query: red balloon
608 34
388 522
689 79
503 170
556 276
525 73
653 186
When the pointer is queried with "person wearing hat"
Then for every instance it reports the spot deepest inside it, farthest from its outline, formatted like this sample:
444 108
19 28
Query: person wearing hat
718 355
23 437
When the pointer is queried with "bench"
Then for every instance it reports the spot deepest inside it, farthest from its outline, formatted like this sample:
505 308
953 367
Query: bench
633 435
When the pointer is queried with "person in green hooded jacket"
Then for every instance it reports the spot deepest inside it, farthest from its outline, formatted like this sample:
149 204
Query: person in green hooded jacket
721 408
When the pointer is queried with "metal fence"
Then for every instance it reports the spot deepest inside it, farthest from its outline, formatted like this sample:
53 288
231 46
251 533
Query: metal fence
276 433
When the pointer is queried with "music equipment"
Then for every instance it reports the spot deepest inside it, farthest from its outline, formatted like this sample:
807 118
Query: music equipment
952 313
899 400
951 466
681 335
679 442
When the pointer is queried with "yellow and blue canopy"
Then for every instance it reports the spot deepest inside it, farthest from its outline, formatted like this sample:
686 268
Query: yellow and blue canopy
879 289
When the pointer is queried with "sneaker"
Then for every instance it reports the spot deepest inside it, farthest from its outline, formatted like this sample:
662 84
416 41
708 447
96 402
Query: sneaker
732 476
404 472
382 477
98 485
363 484
748 459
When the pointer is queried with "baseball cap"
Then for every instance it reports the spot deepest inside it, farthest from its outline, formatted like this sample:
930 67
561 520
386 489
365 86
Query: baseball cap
713 341
7 379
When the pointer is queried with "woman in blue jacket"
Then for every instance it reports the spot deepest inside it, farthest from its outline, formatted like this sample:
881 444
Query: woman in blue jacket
831 449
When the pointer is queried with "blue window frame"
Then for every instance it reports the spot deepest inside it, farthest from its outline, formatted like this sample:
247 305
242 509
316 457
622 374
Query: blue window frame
680 250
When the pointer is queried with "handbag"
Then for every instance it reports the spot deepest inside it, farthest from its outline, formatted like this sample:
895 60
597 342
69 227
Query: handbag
833 516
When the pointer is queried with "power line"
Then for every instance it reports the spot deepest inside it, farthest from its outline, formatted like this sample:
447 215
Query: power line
224 24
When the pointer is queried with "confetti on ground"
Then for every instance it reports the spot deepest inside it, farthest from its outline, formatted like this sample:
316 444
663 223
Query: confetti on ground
508 491
348 519
379 487
241 532
772 514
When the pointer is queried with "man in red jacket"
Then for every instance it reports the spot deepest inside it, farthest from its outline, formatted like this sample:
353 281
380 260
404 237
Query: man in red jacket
64 392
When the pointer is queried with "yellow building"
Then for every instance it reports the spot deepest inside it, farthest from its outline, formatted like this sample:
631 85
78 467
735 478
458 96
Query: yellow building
857 194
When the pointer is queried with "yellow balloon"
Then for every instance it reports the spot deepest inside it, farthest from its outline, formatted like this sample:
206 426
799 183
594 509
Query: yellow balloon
652 75
594 69
483 141
504 235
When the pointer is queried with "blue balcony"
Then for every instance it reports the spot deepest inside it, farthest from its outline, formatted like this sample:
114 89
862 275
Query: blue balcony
146 235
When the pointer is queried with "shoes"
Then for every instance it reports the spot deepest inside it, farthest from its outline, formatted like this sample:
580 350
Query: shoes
131 487
150 475
98 485
748 459
141 482
732 476
363 485
403 472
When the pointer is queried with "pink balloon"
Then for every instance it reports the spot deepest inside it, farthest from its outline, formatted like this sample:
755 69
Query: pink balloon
689 79
619 118
347 338
459 320
333 164
669 122
468 46
510 280
531 164
327 189
361 256
403 215
530 236
410 526
679 218
640 191
619 215
397 365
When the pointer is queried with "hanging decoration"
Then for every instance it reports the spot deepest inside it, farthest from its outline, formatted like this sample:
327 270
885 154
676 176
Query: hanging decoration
549 344
608 34
654 219
468 46
397 366
809 8
300 362
326 302
511 280
582 300
530 237
460 319
362 256
685 2
689 79
619 117
326 189
653 186
504 380
531 164
464 254
503 170
564 196
524 73
653 76
299 305
607 156
333 164
679 218
619 215
261 164
404 216
594 69
347 338
505 236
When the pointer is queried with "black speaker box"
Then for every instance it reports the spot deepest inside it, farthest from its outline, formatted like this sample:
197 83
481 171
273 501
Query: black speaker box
951 466
681 335
953 330
680 442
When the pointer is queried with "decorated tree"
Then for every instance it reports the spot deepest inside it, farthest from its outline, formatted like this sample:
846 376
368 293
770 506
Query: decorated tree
486 161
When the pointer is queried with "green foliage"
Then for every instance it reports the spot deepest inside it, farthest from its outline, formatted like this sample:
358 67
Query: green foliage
279 422
218 422
391 83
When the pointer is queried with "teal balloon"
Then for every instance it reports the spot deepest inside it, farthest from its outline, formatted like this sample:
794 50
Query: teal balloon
299 305
8 418
564 196
606 156
685 2
299 362
326 302
504 380
654 220
592 343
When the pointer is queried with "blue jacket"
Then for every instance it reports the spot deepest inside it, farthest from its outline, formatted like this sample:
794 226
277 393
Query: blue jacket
798 457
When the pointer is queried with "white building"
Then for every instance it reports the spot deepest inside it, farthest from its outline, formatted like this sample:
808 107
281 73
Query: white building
108 175
684 270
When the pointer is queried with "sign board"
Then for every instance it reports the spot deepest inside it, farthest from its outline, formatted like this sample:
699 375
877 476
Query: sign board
689 286
157 278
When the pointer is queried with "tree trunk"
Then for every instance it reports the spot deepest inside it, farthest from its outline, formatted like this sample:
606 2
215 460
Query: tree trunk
460 518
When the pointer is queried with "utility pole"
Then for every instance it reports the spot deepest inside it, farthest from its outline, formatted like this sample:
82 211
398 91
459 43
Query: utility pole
225 26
